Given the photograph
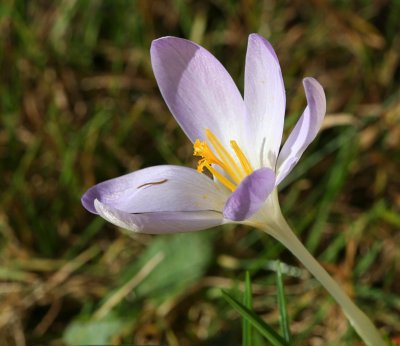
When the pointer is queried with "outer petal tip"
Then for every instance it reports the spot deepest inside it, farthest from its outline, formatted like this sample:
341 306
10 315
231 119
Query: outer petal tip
168 40
311 81
314 89
316 100
258 39
88 199
250 195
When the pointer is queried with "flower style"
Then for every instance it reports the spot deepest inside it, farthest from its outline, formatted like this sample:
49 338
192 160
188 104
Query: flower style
238 141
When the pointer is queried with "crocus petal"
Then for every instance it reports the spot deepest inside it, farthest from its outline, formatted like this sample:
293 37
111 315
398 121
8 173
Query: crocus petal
158 189
264 96
197 89
305 130
250 195
159 222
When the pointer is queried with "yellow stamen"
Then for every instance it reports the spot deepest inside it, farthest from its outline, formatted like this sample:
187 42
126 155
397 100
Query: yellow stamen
235 173
220 177
230 165
242 158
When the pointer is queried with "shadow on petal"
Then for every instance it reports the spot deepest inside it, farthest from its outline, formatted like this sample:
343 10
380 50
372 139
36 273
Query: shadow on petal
250 195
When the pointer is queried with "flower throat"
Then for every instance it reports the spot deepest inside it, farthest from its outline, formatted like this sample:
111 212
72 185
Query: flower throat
236 173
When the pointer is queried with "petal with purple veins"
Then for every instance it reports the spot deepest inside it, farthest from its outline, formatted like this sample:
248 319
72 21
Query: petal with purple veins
198 90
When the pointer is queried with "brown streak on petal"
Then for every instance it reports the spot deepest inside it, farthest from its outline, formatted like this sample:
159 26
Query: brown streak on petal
155 183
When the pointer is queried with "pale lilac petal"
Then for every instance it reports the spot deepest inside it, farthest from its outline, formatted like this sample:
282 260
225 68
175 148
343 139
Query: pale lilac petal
264 96
305 130
250 195
160 222
158 189
197 89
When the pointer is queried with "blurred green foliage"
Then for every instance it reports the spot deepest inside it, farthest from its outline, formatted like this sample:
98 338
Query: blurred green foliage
79 104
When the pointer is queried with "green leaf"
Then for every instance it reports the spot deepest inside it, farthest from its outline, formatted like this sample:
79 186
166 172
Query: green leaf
185 258
283 316
256 321
248 302
93 332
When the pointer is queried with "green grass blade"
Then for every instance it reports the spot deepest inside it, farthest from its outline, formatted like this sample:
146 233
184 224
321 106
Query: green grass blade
283 316
248 302
264 329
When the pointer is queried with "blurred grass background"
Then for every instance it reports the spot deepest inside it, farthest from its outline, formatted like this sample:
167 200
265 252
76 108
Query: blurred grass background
79 104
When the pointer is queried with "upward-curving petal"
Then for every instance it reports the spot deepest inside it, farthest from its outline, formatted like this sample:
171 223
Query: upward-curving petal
264 96
197 89
305 130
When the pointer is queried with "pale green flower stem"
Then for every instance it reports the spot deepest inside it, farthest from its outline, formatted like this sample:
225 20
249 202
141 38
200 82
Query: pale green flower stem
281 231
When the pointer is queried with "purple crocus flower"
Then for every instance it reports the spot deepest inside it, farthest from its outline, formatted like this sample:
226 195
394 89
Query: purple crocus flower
237 139
238 142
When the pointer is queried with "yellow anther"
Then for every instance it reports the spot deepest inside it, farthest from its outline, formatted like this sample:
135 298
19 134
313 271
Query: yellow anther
235 173
202 149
